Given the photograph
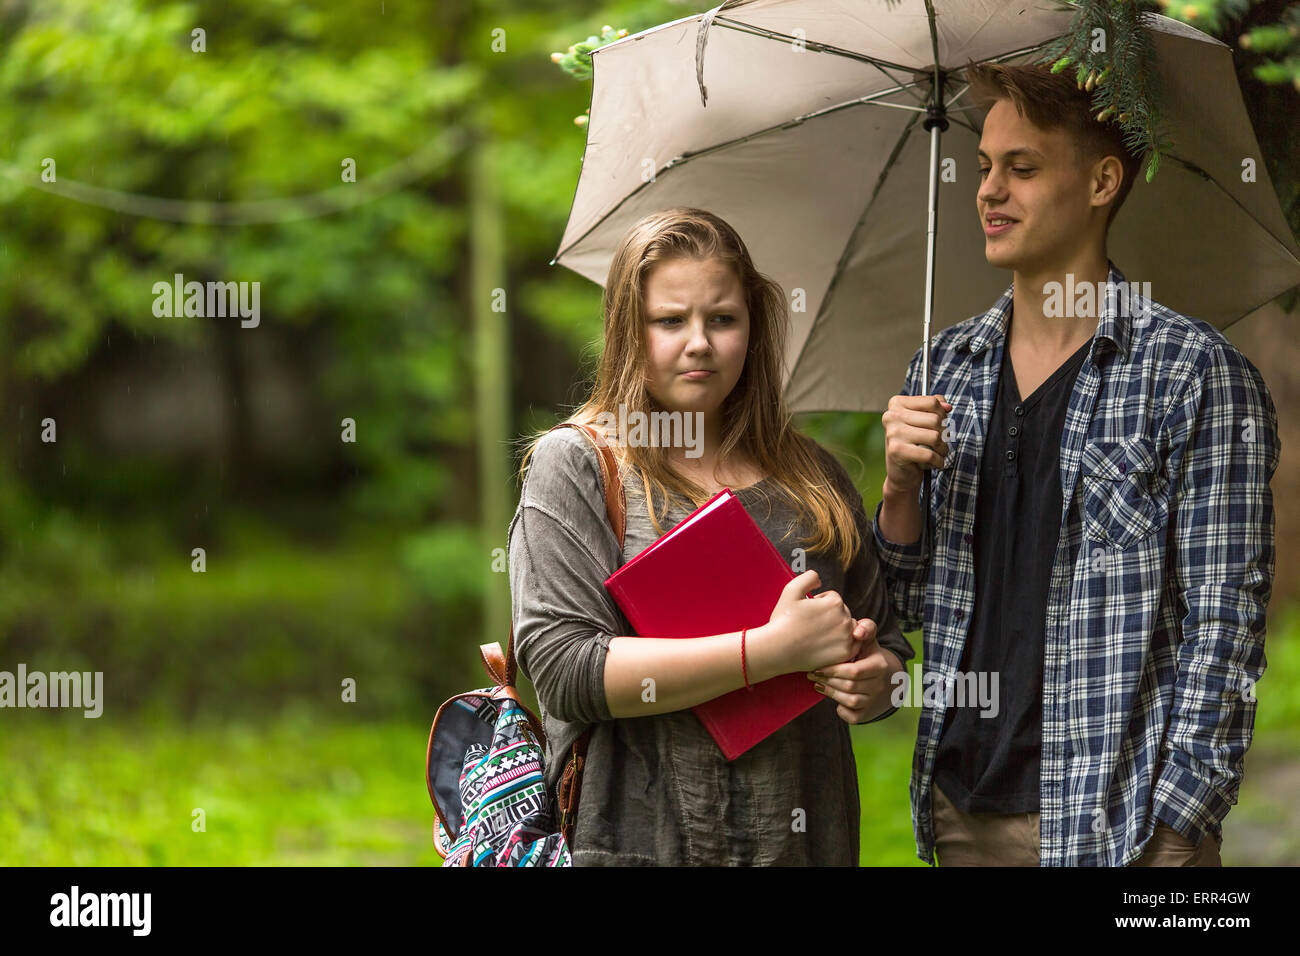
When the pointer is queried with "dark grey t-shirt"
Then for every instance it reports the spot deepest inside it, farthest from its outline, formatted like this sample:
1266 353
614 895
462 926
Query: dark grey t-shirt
657 790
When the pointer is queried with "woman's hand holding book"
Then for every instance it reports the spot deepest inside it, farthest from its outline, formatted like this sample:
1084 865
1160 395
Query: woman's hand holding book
804 634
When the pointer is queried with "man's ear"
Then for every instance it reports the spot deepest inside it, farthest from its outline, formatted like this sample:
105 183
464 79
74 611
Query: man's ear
1107 176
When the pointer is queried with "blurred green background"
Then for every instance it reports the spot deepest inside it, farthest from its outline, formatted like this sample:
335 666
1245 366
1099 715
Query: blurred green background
329 559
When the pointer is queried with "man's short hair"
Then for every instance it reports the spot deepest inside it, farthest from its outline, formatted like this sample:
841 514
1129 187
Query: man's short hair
1054 101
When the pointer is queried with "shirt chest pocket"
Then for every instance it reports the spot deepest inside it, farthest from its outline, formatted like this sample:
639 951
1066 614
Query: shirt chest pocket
1122 500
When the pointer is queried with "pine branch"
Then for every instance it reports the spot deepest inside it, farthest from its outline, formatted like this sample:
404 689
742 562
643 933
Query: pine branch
1114 58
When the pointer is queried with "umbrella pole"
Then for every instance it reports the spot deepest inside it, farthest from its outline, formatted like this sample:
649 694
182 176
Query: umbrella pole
936 123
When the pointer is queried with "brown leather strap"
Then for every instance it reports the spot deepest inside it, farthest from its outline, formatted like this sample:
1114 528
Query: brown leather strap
615 507
494 662
569 788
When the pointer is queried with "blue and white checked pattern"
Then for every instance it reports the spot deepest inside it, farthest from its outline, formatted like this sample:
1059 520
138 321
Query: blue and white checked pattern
1154 636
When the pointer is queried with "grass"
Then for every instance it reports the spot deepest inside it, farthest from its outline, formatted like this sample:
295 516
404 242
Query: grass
884 755
81 792
295 790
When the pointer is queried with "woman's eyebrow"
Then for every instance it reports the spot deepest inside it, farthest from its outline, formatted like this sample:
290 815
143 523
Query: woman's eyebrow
675 308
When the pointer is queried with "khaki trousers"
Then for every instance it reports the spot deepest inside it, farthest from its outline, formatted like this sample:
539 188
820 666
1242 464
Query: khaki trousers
997 839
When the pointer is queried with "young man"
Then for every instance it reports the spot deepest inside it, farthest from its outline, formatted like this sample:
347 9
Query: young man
1101 530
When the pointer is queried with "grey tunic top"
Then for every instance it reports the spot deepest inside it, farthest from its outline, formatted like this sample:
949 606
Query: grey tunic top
656 790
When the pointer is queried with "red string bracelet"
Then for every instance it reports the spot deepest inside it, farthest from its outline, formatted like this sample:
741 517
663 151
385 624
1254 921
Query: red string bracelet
744 666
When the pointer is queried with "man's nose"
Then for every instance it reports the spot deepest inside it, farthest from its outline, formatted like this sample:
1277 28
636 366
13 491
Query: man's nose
992 188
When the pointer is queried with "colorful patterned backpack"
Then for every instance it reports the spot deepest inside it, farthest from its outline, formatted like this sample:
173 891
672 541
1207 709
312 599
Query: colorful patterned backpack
483 765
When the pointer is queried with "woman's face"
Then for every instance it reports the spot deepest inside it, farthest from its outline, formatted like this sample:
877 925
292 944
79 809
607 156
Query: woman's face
696 319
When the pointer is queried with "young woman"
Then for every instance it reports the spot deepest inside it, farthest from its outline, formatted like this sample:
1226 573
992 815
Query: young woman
691 326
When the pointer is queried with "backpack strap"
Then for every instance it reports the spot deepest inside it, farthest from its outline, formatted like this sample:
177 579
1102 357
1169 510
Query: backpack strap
502 667
569 787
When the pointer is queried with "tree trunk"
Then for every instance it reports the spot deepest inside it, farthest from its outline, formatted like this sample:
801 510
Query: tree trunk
491 382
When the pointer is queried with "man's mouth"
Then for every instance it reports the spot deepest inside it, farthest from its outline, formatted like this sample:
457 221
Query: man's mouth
996 225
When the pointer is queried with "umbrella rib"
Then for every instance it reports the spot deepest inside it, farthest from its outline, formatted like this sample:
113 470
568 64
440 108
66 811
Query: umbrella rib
958 95
871 99
902 86
811 44
880 64
848 246
1192 167
934 43
950 108
877 62
964 123
899 106
868 100
819 47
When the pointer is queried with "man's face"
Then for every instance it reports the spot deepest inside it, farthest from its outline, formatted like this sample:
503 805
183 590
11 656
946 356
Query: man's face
1034 178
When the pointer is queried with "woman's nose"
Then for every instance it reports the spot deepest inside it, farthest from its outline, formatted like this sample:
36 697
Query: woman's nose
699 342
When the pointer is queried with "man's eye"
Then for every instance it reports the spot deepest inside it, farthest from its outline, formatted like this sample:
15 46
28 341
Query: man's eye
1023 170
984 170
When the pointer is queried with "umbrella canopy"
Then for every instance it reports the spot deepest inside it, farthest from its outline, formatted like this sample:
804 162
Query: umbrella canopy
800 122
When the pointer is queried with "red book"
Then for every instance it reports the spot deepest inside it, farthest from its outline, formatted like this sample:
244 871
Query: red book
713 573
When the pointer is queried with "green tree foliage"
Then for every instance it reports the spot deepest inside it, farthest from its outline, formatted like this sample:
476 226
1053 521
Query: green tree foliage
221 156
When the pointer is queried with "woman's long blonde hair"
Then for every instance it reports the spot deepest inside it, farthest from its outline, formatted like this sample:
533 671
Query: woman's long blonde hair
754 417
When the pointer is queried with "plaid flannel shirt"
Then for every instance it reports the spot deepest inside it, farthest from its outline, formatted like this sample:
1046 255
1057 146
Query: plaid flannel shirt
1154 635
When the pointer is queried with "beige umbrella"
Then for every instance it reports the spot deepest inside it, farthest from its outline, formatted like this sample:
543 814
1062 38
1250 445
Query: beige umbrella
803 123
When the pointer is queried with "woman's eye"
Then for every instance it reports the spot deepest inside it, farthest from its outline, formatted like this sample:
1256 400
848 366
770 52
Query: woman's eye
671 319
984 170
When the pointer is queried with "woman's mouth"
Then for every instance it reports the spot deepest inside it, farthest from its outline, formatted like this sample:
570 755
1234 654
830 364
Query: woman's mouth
698 374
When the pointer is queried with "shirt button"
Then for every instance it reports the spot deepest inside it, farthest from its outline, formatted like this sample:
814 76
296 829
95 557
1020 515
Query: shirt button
1123 467
1013 431
1011 455
968 538
1020 409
